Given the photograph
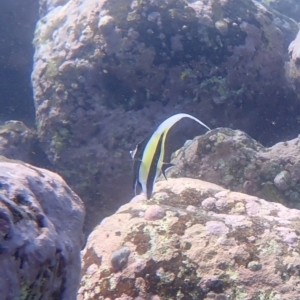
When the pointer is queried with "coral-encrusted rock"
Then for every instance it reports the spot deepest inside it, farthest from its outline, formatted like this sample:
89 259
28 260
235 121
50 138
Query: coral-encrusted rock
107 72
41 222
48 5
241 247
233 160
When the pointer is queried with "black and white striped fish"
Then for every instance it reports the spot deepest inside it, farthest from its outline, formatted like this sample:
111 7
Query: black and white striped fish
148 156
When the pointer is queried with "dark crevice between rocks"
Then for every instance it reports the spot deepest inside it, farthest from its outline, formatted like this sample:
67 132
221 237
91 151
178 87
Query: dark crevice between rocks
16 60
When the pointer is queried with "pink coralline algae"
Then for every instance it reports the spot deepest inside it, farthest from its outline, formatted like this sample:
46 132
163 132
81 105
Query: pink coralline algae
154 212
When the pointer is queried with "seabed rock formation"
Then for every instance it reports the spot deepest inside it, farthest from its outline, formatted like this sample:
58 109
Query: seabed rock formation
17 141
201 242
106 72
234 160
41 223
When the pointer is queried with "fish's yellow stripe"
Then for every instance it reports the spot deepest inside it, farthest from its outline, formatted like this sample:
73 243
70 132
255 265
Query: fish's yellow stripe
166 126
147 159
151 147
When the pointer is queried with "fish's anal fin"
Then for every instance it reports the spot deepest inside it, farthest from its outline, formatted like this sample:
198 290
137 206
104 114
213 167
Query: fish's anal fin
165 167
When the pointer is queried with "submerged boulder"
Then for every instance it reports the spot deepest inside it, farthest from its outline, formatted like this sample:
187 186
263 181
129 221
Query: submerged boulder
290 8
210 243
235 161
107 72
41 222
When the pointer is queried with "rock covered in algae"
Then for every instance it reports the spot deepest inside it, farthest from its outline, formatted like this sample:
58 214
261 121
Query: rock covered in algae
240 247
234 160
41 222
17 141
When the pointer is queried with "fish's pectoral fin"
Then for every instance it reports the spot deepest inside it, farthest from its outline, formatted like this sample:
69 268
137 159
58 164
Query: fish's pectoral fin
136 184
165 167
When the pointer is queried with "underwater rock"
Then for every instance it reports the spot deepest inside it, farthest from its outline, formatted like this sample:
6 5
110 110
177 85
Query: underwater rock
41 222
290 8
234 160
107 72
238 250
119 258
17 141
154 212
287 25
48 5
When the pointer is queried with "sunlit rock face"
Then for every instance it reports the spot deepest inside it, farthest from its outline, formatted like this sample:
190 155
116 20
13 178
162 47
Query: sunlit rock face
293 66
41 223
107 72
17 22
210 243
235 161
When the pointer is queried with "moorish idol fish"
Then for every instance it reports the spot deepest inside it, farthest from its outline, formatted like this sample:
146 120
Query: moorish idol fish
148 156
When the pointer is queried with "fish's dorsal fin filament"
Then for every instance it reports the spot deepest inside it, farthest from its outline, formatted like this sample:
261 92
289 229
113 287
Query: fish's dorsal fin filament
165 167
149 154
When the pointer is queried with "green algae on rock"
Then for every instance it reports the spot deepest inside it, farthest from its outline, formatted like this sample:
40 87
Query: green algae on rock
234 160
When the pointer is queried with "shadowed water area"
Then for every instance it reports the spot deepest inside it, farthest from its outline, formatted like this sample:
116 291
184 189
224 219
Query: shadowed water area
17 22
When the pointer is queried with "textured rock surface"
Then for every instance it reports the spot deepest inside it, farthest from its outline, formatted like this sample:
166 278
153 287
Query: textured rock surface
20 142
48 5
41 236
106 73
290 8
234 160
229 246
293 66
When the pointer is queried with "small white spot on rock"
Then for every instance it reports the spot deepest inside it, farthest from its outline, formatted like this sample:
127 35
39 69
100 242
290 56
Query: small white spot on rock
216 228
209 203
191 208
282 180
221 194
